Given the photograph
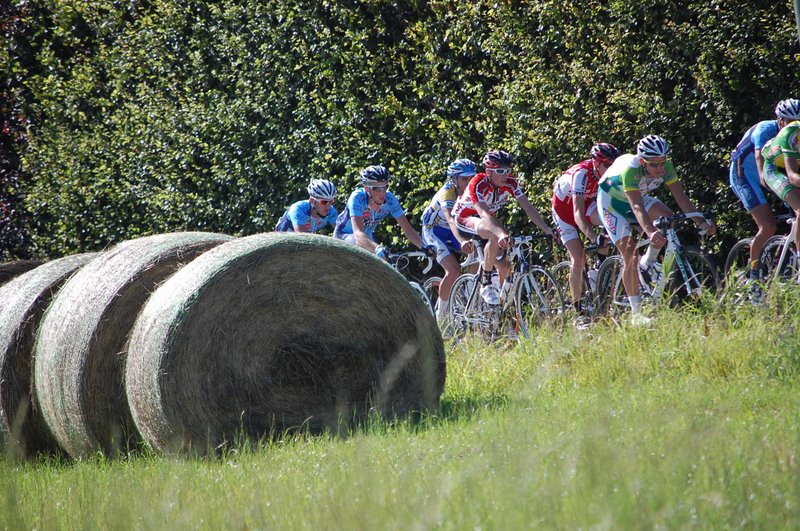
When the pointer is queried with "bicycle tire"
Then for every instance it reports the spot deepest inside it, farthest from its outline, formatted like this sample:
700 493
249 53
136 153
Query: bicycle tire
737 263
770 257
423 296
705 278
561 273
431 287
459 304
611 297
538 300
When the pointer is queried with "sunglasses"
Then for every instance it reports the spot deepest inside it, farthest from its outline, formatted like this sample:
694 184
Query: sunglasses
378 188
655 164
502 171
324 202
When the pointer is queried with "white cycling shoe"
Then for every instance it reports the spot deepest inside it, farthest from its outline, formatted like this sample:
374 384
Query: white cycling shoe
490 294
639 319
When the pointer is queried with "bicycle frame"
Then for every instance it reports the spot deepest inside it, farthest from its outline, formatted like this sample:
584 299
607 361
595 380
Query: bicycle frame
787 242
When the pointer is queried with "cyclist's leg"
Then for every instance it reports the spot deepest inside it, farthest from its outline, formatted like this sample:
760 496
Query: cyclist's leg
655 209
441 239
571 240
746 184
779 183
619 230
487 230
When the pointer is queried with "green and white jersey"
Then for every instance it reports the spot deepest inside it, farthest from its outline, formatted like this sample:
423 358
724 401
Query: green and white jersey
627 175
785 144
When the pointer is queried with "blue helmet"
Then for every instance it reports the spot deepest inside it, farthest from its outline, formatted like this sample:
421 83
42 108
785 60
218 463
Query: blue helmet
373 175
461 168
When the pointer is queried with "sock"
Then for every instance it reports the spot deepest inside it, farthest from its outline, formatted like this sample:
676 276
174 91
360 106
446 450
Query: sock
487 278
636 303
441 309
649 257
755 274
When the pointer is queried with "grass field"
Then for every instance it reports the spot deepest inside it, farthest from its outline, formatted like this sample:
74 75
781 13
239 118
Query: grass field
694 423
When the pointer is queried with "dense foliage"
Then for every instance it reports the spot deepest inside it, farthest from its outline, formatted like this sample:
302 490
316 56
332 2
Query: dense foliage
145 116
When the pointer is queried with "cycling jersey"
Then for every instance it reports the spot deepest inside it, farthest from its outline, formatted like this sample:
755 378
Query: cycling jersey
300 214
444 199
626 174
577 180
744 179
785 144
358 206
481 190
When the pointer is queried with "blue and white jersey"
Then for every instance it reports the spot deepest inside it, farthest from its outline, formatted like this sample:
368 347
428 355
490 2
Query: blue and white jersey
358 206
755 138
299 214
445 198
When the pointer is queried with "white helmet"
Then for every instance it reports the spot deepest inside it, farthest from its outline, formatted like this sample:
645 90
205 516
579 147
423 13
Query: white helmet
652 146
321 189
788 109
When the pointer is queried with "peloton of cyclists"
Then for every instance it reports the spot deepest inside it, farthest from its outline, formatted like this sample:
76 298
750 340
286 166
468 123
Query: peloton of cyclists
475 211
574 210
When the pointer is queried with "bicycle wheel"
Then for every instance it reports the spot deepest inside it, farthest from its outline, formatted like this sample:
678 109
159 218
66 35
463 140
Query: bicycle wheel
701 277
462 303
431 287
561 273
538 300
737 264
771 259
611 297
423 297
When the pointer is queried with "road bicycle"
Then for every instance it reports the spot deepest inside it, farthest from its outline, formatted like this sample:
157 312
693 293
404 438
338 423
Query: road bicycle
401 263
530 297
779 257
431 284
737 263
591 269
683 274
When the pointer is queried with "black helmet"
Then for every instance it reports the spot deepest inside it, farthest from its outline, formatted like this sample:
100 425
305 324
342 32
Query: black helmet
604 152
374 175
497 159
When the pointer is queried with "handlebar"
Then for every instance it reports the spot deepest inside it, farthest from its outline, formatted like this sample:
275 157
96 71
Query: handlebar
396 260
665 221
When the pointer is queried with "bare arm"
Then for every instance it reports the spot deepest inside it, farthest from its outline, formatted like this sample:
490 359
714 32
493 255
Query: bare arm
409 231
534 215
579 212
686 205
759 166
361 238
451 222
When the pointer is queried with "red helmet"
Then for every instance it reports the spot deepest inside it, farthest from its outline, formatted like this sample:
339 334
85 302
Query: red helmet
604 152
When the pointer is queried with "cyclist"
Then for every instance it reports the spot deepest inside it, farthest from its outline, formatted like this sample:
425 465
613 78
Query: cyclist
313 214
367 207
475 211
747 178
575 210
782 168
439 228
623 199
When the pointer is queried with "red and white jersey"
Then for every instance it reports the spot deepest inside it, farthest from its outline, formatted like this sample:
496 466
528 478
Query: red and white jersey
577 180
481 190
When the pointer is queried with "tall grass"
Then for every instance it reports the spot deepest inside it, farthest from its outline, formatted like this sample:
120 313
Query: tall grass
692 423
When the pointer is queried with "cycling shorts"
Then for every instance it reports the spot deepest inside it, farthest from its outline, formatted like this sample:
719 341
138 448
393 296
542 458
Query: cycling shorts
618 226
442 239
777 181
745 182
568 229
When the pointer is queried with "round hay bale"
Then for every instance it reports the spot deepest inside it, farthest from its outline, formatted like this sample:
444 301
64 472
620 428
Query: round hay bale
278 332
9 270
81 343
25 299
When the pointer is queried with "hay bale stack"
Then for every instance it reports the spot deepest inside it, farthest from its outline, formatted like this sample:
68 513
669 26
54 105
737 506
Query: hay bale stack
80 351
278 332
24 300
9 270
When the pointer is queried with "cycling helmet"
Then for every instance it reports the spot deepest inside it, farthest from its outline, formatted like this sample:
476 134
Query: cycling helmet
374 175
321 189
461 168
788 109
604 152
497 159
652 146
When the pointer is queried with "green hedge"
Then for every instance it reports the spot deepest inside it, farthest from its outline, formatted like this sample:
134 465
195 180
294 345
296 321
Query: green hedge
152 115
